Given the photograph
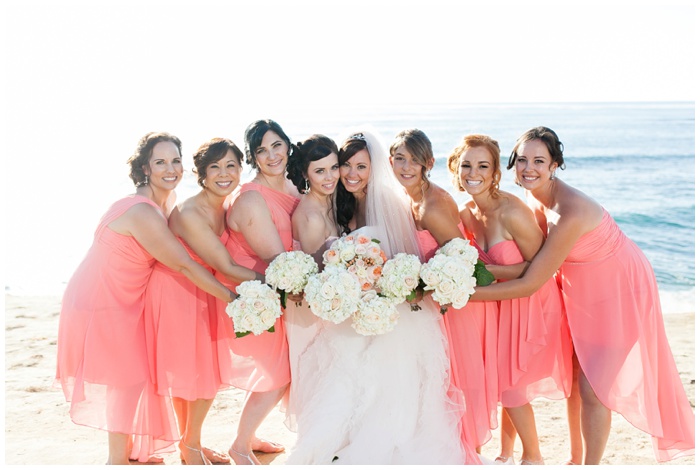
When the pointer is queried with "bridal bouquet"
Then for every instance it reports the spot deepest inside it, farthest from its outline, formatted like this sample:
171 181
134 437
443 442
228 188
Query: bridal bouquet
400 278
360 255
333 294
255 310
289 272
377 315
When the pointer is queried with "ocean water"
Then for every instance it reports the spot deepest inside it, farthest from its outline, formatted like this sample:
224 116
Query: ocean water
636 159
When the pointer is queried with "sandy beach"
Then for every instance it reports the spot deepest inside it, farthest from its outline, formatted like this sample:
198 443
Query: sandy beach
38 429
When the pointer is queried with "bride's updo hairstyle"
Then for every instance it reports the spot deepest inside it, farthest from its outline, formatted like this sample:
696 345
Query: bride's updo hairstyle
469 142
419 146
548 137
211 152
312 149
254 135
345 201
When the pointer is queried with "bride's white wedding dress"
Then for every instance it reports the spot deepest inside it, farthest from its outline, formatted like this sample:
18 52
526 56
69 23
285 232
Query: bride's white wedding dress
374 399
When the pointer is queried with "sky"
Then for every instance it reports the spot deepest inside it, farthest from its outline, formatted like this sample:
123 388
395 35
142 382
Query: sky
83 80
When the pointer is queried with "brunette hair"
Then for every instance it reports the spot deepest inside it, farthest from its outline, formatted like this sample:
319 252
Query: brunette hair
418 145
312 149
143 153
345 201
211 152
254 135
548 137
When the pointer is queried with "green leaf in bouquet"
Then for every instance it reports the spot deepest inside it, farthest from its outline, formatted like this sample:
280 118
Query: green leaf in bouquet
412 296
246 333
283 298
375 240
483 276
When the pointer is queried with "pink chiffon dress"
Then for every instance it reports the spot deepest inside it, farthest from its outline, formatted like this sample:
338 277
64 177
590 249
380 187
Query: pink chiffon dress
534 346
614 314
102 362
471 334
258 363
180 329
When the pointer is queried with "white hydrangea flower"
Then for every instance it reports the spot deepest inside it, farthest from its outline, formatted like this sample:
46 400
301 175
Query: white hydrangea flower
450 279
376 316
400 277
333 294
290 271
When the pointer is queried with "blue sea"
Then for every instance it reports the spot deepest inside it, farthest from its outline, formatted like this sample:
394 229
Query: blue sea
636 159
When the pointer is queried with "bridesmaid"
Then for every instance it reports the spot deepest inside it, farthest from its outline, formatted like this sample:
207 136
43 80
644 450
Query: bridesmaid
180 328
260 221
612 306
102 362
315 173
534 350
472 330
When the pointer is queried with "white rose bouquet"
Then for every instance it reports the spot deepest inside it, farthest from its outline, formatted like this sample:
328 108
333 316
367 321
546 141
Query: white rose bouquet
400 278
461 248
451 280
289 272
377 315
333 294
255 310
464 250
359 255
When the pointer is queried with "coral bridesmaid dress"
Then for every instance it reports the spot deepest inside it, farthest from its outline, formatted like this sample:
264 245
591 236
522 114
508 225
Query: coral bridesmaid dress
180 328
612 305
258 363
472 335
534 346
102 361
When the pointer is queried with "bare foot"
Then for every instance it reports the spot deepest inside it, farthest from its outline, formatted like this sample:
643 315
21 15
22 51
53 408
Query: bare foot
215 456
192 455
242 458
266 447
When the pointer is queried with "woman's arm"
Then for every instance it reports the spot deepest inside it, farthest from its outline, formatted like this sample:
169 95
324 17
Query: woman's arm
194 228
309 229
561 239
520 224
441 219
251 217
151 231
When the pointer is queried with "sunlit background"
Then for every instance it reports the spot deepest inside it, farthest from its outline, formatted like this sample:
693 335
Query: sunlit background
85 80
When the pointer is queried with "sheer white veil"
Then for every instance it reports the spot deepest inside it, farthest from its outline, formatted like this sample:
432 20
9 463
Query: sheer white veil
388 211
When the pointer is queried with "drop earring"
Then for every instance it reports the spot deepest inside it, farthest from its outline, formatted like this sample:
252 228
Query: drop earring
553 175
306 187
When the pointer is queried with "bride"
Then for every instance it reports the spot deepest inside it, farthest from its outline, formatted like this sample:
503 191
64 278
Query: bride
376 399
